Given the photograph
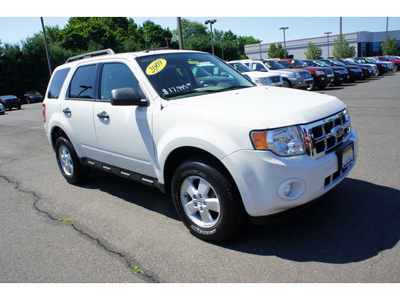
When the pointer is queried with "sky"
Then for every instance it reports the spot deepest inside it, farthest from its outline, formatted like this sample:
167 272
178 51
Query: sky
261 19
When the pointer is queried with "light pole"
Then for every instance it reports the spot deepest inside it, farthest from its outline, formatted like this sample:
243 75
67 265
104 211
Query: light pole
327 39
46 47
386 40
222 48
212 38
260 50
284 38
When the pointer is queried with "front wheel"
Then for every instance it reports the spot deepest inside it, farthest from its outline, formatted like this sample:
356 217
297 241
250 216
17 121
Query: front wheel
68 162
206 201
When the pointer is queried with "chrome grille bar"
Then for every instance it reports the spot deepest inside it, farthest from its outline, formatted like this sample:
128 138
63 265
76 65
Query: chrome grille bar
325 135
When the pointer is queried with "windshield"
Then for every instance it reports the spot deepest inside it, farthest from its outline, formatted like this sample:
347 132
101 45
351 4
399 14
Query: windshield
176 75
286 64
370 59
350 62
338 63
321 64
299 63
273 65
240 67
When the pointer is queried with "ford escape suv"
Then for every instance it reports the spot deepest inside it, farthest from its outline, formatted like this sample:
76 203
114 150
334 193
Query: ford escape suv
225 149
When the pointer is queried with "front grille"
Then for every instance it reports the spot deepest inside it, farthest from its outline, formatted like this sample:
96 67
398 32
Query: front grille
305 74
325 135
328 72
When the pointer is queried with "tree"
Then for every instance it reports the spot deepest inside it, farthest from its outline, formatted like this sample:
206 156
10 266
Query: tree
392 47
347 51
277 51
313 52
246 40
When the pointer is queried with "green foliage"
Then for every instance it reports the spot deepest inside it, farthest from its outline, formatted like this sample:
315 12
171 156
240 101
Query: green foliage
347 51
277 51
392 47
313 52
23 67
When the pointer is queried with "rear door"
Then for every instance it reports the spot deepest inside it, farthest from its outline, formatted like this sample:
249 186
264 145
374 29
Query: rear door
77 110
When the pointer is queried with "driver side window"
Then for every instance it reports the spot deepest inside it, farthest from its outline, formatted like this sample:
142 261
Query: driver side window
116 76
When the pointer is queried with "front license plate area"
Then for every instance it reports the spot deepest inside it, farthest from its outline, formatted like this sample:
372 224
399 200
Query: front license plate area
345 155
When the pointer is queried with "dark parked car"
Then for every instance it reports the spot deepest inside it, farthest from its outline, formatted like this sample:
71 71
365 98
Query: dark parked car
340 74
31 97
320 75
10 101
389 59
355 73
2 109
367 70
382 67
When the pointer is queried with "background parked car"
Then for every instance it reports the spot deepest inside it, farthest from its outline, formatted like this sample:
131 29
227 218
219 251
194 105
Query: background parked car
322 77
382 67
33 96
355 73
2 109
391 66
10 101
395 61
259 78
339 74
367 71
291 77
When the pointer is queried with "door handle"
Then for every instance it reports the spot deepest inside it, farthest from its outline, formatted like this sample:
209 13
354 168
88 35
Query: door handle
103 115
67 111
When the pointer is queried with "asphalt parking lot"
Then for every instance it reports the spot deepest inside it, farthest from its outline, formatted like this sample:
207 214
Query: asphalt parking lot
108 228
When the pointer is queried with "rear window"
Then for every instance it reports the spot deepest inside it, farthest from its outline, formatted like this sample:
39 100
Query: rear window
57 83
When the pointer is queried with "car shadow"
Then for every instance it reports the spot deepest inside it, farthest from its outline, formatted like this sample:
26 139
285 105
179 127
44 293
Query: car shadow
131 191
353 222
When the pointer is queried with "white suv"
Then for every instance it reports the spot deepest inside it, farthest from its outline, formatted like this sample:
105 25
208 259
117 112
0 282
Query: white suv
225 149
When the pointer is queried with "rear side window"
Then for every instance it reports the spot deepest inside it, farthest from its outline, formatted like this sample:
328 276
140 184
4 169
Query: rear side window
57 83
82 84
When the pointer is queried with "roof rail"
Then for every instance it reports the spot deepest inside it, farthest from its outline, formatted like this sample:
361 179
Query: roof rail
91 54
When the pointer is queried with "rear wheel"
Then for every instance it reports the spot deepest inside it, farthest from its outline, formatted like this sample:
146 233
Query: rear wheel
68 162
206 201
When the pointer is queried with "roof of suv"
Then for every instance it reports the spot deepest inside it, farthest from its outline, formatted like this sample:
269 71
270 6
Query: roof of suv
107 52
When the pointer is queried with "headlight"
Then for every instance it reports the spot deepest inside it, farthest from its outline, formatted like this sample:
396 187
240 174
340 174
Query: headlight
287 141
262 80
297 75
320 72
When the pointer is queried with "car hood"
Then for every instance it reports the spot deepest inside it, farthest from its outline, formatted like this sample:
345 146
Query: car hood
260 107
258 74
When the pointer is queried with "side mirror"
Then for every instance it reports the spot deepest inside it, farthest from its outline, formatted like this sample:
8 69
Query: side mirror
127 96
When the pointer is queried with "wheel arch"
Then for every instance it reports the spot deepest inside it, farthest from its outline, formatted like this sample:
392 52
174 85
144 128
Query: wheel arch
179 155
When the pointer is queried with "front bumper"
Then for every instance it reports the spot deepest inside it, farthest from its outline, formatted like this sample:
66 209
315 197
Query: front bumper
261 176
301 83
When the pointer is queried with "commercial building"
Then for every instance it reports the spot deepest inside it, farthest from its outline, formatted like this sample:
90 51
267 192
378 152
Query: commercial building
366 44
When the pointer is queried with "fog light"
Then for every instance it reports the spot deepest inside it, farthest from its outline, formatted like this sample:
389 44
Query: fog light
287 189
291 189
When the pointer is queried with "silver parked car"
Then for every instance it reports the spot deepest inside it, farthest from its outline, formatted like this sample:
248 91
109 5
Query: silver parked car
291 77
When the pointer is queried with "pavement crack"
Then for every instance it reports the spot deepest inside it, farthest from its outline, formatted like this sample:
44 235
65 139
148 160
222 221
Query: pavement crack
130 262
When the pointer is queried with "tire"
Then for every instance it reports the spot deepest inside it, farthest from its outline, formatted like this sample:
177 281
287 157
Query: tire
206 201
68 162
311 86
286 83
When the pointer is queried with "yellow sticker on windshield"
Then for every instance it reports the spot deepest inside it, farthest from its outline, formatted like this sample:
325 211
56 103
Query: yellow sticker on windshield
156 66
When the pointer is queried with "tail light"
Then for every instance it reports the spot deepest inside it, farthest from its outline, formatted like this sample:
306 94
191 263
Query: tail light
44 112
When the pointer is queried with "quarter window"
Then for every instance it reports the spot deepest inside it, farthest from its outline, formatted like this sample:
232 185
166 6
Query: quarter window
57 83
82 84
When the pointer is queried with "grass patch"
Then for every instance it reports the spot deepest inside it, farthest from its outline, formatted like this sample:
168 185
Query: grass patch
67 221
136 270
